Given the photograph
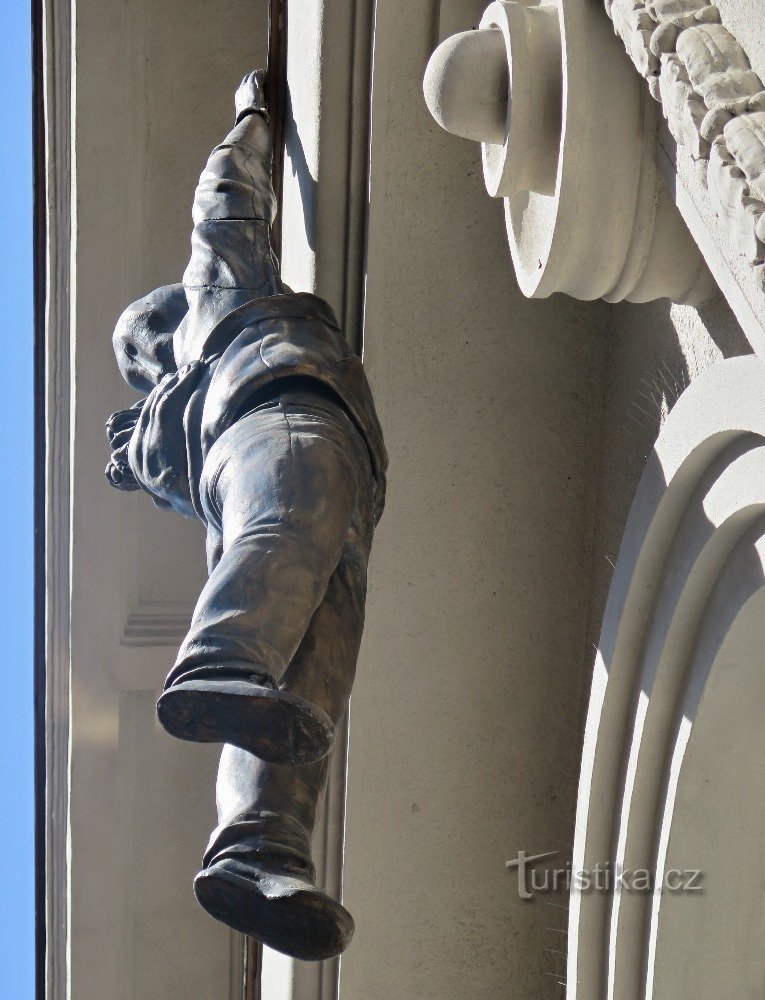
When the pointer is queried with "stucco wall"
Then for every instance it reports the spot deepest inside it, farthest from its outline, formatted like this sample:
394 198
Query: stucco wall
463 741
518 431
654 351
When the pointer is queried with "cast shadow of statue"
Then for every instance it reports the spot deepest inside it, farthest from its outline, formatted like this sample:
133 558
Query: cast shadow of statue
298 164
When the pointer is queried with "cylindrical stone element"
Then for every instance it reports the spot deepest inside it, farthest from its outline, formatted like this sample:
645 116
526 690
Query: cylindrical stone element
466 85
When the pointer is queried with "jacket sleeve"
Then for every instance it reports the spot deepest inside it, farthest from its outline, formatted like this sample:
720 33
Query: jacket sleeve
231 256
236 182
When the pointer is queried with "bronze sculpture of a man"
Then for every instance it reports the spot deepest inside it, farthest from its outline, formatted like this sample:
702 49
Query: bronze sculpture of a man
259 422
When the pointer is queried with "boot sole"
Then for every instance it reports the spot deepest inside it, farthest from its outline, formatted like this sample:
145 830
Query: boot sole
276 726
296 921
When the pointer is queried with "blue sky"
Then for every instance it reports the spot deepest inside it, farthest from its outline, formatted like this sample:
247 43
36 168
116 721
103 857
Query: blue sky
16 513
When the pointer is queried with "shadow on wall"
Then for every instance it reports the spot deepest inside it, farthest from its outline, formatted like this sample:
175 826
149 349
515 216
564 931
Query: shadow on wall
298 164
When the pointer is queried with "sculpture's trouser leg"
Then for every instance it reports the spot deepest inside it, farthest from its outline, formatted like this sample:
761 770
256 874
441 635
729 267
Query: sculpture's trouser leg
231 257
286 492
269 809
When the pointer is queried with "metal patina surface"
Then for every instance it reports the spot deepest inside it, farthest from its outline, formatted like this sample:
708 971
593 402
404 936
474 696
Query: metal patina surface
258 422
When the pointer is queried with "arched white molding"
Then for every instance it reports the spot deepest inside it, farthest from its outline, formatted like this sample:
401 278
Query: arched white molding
567 140
679 664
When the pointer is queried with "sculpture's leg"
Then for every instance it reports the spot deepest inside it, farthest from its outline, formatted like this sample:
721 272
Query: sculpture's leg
286 490
259 877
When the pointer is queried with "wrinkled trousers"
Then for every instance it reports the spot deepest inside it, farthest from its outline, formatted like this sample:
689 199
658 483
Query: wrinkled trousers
286 492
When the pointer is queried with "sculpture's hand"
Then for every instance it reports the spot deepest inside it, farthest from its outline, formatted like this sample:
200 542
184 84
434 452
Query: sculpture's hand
251 94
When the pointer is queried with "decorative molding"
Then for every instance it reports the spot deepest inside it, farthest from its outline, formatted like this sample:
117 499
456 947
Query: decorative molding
714 104
157 623
679 646
92 561
567 139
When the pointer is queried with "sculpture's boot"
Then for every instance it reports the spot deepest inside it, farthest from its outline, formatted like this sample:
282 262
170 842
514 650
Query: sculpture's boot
277 726
275 903
258 875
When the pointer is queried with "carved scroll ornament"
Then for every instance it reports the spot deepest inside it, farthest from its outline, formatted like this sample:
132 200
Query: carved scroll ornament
713 101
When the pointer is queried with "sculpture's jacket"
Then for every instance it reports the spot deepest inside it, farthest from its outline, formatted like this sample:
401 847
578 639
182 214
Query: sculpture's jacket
239 336
266 343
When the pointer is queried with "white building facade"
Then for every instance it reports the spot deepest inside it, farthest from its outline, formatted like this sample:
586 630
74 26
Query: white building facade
564 633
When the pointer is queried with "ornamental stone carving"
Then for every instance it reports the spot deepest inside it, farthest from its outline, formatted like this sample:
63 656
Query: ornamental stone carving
567 141
714 104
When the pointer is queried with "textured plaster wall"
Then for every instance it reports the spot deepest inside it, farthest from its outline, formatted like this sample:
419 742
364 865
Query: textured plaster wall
518 431
463 742
653 352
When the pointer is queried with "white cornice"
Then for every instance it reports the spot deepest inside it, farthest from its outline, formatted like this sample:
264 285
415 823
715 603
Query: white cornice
157 623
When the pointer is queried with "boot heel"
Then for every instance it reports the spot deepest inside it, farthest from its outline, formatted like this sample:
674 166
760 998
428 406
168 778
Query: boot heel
276 726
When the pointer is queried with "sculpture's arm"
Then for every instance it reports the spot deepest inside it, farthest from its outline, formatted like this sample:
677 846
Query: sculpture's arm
234 207
236 182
